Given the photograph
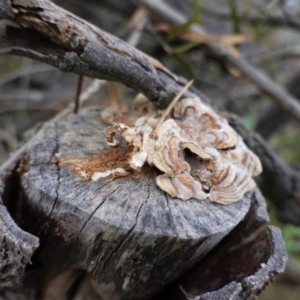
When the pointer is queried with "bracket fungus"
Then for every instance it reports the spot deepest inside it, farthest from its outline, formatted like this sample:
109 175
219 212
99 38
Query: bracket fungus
198 153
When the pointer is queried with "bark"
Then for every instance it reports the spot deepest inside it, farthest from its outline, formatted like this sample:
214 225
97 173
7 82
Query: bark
123 238
16 248
45 32
131 236
118 238
237 268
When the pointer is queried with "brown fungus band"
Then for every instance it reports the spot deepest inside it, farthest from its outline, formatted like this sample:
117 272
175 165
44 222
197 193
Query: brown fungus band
199 154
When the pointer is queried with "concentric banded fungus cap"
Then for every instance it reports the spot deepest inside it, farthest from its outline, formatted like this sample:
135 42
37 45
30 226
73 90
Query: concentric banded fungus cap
199 154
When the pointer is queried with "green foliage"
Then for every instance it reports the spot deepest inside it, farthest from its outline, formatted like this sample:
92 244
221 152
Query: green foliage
249 121
194 19
177 51
287 142
291 235
185 47
235 19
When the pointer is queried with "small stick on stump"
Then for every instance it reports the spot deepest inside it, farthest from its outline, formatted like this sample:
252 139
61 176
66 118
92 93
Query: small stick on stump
78 93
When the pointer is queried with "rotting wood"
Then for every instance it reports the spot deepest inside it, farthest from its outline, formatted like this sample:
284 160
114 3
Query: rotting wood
16 248
56 281
122 238
247 260
101 52
126 232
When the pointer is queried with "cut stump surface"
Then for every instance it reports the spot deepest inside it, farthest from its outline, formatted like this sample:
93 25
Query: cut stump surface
132 237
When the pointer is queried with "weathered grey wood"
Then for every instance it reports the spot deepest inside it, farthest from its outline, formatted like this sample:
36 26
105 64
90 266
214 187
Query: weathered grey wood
126 232
57 37
34 29
5 9
43 31
247 260
16 248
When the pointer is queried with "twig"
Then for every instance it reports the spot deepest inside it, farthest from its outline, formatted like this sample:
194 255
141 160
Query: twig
138 19
91 89
12 160
78 93
271 20
285 100
79 47
25 72
169 108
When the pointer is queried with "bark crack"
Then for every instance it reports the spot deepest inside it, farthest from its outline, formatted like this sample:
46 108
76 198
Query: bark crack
56 151
126 236
98 206
171 218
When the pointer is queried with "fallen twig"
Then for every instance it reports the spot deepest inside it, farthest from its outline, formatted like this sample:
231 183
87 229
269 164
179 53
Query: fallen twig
285 100
270 20
78 93
84 96
169 108
43 31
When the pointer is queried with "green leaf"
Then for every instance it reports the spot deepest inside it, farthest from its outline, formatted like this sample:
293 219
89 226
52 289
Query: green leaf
197 12
235 19
179 30
291 235
185 47
195 18
249 121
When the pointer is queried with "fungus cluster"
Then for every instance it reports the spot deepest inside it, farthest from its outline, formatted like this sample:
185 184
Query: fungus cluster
198 153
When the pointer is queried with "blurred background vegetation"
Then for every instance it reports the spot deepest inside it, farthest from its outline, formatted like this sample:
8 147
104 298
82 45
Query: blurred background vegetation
263 32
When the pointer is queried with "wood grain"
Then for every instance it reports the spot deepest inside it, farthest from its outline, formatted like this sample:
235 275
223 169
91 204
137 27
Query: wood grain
130 235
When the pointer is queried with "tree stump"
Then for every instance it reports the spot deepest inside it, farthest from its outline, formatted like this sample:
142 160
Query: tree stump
16 247
126 232
248 259
122 238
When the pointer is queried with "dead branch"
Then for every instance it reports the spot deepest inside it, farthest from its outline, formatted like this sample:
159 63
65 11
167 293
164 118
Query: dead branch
91 89
279 182
277 20
278 94
35 29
